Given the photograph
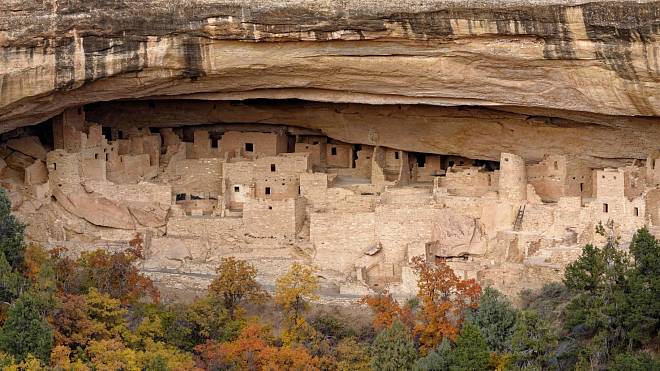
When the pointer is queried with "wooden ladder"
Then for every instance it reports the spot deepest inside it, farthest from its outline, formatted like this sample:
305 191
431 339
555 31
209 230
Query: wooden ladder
517 226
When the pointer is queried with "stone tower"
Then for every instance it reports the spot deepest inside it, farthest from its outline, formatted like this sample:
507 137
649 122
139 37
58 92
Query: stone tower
513 178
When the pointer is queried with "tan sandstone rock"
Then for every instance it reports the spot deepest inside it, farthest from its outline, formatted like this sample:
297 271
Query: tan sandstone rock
97 210
30 146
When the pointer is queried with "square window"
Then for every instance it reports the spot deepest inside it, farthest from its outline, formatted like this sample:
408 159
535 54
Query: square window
267 190
272 167
270 208
249 147
237 189
333 151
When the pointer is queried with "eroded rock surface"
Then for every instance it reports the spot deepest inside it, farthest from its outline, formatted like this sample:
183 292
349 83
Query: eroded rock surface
593 57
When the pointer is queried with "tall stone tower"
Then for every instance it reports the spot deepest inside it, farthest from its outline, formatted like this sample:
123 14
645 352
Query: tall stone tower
513 178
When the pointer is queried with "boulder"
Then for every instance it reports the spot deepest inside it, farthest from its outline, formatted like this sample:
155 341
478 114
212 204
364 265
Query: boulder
97 210
149 214
30 146
454 234
19 161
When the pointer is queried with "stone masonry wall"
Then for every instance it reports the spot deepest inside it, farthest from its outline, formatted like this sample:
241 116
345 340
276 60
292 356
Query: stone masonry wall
270 218
264 144
341 238
202 175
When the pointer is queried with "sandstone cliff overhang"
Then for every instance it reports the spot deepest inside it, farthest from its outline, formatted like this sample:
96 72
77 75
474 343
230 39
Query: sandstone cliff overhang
567 59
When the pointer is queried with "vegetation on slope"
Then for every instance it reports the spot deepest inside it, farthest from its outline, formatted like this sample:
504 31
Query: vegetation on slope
98 312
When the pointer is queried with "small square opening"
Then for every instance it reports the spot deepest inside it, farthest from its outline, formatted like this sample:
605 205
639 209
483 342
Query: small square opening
249 147
605 208
237 189
267 190
272 167
333 151
270 208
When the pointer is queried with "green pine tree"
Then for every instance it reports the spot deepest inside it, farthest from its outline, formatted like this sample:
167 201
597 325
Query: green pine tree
533 342
26 330
437 360
12 250
496 319
470 351
633 362
393 349
642 319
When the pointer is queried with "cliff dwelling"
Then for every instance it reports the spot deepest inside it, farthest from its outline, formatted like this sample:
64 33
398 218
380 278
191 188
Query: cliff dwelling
494 138
199 182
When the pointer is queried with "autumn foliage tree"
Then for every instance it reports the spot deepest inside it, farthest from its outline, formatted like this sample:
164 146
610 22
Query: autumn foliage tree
253 351
236 283
386 310
293 293
112 273
444 298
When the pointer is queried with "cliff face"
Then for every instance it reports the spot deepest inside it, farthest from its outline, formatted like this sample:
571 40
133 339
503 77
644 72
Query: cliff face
536 58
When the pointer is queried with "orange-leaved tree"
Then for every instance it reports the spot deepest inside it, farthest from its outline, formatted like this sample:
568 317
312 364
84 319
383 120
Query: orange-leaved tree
444 298
236 283
386 310
253 351
243 353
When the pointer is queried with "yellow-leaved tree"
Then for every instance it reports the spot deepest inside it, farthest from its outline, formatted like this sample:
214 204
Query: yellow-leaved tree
236 283
294 291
